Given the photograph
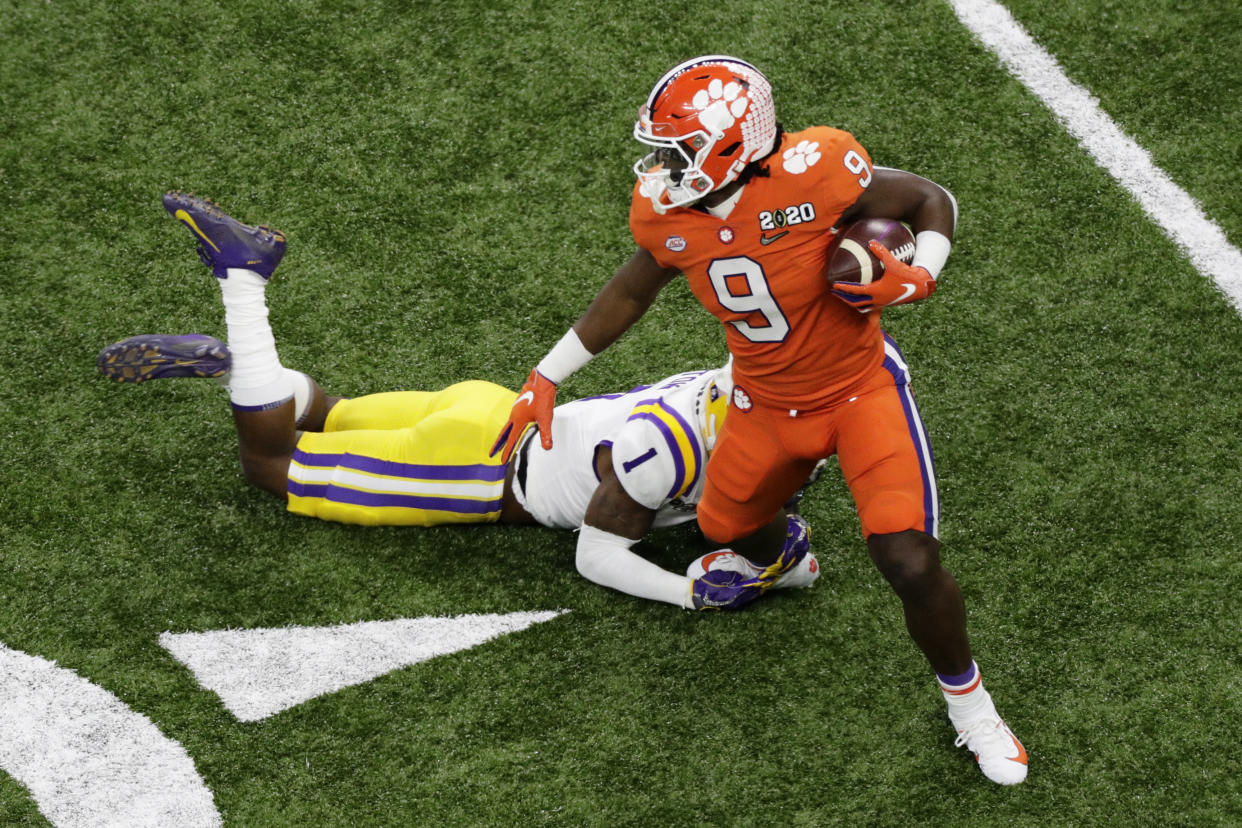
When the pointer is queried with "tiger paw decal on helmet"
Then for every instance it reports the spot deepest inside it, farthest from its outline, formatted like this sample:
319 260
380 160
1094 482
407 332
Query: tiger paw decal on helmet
706 119
720 104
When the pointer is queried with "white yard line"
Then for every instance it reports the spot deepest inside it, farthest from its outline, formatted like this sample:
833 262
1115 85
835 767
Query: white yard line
1079 112
258 673
87 759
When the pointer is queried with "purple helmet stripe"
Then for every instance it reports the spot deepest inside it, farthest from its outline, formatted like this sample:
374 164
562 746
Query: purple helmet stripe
690 64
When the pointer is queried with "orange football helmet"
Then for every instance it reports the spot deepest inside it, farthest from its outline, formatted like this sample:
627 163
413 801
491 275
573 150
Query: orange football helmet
707 119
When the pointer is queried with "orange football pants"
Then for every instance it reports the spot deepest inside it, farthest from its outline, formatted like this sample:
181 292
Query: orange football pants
764 455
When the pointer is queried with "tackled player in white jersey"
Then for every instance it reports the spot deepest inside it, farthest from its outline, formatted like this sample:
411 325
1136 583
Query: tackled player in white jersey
622 464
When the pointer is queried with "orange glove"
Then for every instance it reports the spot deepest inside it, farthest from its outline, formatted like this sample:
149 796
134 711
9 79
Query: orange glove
898 284
533 405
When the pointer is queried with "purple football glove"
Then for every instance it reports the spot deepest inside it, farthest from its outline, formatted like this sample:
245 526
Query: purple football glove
721 589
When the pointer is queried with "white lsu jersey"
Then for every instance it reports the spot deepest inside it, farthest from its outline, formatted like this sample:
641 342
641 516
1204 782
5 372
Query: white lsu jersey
659 435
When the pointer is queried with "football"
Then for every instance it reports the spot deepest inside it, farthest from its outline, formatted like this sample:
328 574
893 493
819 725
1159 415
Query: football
850 260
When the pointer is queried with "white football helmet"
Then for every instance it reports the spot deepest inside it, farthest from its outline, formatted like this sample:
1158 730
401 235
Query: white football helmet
707 119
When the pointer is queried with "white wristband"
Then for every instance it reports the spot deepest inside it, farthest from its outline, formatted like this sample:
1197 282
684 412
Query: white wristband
566 356
931 250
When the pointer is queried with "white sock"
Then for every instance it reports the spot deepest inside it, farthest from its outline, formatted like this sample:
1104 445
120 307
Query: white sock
301 394
257 381
969 700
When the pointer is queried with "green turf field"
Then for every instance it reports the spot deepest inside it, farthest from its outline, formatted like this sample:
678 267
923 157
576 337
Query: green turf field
454 181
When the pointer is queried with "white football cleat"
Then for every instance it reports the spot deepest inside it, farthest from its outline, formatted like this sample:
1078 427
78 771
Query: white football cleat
725 559
802 575
1000 755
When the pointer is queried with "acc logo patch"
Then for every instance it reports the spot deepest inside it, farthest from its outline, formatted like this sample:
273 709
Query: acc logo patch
726 235
675 243
741 400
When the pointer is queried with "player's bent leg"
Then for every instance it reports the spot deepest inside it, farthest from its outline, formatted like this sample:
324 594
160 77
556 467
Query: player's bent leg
313 414
762 547
266 440
794 550
405 409
749 477
934 610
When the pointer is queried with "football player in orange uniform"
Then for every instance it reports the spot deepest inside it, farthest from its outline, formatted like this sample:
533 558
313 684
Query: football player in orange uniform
746 211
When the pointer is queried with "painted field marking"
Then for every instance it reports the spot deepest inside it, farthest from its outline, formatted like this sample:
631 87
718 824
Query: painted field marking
1181 217
87 759
258 673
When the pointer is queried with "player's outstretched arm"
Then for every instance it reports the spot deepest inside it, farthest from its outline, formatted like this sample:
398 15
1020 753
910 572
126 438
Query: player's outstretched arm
614 523
615 309
623 301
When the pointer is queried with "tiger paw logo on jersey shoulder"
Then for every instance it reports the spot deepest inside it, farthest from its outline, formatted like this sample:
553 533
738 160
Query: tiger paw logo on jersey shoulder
741 400
799 159
726 235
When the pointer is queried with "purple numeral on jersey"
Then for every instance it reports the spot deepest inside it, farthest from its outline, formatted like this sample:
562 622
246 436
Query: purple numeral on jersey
642 458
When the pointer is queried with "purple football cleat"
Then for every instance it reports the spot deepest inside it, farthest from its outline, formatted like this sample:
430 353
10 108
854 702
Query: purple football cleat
161 356
224 242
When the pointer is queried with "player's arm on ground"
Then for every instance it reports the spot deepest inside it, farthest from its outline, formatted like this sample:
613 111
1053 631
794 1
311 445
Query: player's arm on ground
614 522
618 305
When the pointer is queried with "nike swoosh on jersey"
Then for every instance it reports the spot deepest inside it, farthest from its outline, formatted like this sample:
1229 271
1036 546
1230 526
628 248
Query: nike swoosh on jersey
529 396
184 217
766 240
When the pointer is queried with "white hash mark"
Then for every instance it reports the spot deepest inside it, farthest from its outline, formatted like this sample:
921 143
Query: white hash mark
1179 215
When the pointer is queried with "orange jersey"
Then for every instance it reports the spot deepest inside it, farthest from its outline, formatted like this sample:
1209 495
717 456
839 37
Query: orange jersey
761 271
